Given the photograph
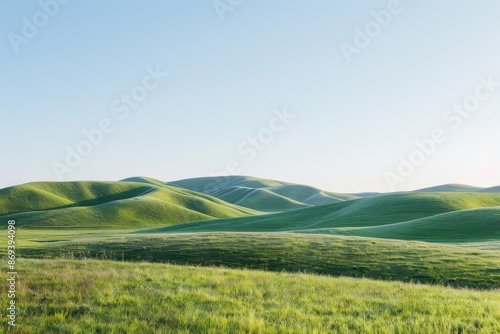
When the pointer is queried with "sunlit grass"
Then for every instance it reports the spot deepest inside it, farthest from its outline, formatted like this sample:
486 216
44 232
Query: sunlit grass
315 253
64 296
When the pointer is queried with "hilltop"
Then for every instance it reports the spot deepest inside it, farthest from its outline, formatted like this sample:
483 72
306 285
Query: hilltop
262 194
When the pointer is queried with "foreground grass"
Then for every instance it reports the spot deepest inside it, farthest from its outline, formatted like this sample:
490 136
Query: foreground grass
68 296
407 261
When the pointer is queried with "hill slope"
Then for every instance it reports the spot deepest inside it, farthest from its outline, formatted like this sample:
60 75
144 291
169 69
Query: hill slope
110 205
372 211
490 190
261 194
459 226
450 188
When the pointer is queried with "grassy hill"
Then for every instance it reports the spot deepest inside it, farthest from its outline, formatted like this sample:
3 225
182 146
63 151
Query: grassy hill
147 180
129 205
262 199
40 196
490 190
453 187
62 296
261 194
218 183
371 211
460 226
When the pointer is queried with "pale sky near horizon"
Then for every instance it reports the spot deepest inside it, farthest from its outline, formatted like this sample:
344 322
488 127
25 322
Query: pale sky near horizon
227 79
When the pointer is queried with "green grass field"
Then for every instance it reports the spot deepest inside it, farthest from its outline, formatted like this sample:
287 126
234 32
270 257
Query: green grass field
68 296
314 253
82 248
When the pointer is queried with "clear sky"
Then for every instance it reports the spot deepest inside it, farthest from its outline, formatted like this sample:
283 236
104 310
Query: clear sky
67 67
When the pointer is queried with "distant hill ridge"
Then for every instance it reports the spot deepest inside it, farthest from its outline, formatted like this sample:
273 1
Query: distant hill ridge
261 194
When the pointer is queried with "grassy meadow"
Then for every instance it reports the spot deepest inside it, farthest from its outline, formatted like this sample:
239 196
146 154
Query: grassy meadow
314 253
89 296
252 256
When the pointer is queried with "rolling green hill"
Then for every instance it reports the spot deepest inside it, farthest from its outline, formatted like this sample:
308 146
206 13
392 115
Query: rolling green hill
490 190
261 194
450 188
147 180
257 198
50 195
459 226
129 205
371 211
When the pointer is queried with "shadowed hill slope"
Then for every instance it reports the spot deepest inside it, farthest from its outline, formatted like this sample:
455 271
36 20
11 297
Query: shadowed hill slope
261 194
490 190
473 225
110 205
373 211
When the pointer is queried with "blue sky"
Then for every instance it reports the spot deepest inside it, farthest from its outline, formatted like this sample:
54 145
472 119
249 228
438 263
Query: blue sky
353 120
